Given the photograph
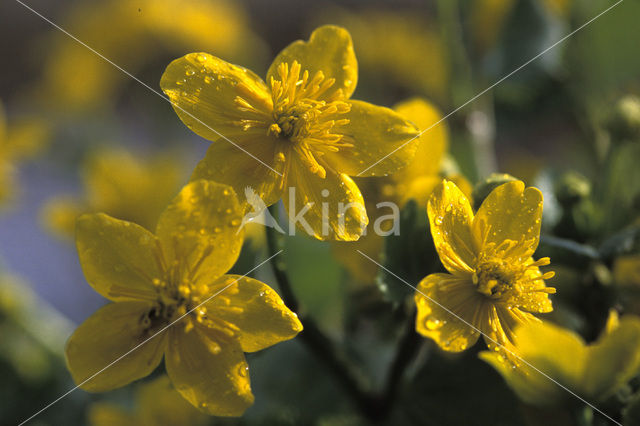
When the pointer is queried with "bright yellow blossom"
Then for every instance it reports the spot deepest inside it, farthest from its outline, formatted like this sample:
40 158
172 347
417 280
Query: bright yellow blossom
176 275
156 404
301 125
493 283
120 184
416 181
594 371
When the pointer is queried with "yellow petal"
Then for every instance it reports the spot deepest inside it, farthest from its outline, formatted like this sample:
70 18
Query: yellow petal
204 91
328 50
119 258
509 213
331 208
158 403
201 228
613 360
107 335
437 292
256 310
225 163
450 218
555 351
383 141
432 144
419 188
209 370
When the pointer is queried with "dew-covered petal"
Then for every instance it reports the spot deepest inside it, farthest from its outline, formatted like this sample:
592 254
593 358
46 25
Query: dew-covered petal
432 144
508 221
201 230
446 306
330 51
209 370
450 218
119 258
225 163
104 338
213 97
330 208
255 310
383 141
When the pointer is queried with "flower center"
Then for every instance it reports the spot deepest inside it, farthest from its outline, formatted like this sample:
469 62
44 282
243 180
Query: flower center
495 278
303 119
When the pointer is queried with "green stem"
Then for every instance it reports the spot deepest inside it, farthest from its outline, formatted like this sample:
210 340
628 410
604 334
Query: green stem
373 406
313 338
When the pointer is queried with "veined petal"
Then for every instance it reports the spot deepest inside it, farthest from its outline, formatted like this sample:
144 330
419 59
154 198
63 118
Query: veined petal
450 217
330 51
327 209
451 332
256 310
201 228
213 97
119 258
209 370
510 213
227 164
431 145
107 335
382 141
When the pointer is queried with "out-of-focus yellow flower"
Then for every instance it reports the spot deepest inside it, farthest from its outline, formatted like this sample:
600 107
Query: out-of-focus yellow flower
301 123
398 48
121 185
416 181
156 404
23 139
493 282
176 276
134 35
626 270
594 371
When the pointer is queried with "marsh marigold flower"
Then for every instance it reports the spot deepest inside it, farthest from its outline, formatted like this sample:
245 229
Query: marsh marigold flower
493 283
178 273
594 371
300 124
415 181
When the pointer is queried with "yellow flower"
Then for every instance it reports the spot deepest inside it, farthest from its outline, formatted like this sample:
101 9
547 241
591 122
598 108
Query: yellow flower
493 283
134 35
594 371
23 139
301 125
156 404
155 280
416 181
120 184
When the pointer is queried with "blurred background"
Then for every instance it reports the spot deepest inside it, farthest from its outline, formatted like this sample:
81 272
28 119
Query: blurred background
78 135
